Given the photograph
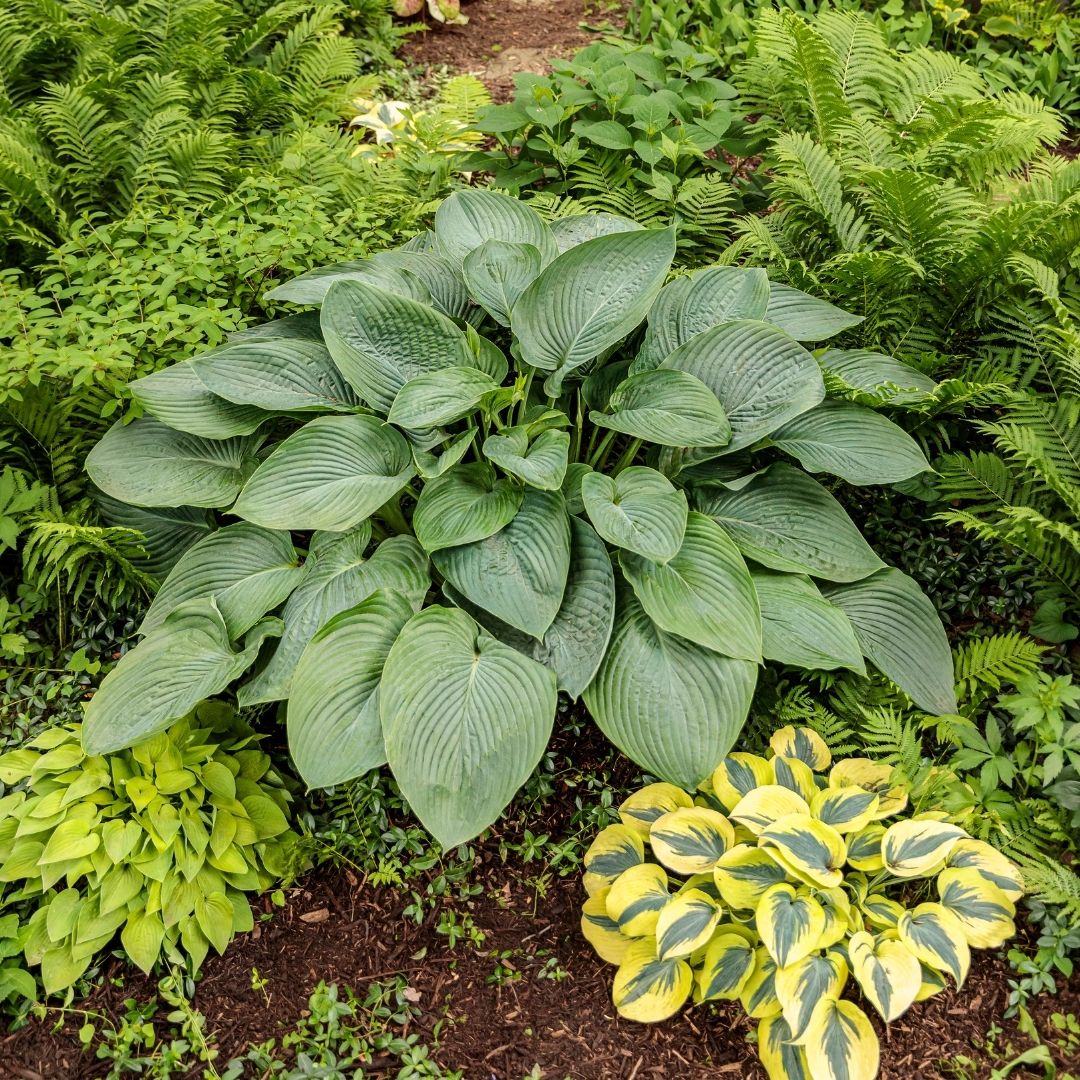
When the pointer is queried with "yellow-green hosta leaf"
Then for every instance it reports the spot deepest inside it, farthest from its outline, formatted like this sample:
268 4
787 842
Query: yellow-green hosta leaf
737 775
758 995
882 912
685 924
648 989
933 982
782 1059
73 838
839 1042
984 911
888 972
813 851
601 931
636 897
800 986
864 847
615 849
916 848
838 916
802 743
641 809
142 937
936 936
726 968
796 776
790 923
744 874
691 839
846 809
995 867
763 806
871 776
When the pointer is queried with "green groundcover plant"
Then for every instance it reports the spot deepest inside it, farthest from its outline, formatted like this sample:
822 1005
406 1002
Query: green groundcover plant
502 488
793 875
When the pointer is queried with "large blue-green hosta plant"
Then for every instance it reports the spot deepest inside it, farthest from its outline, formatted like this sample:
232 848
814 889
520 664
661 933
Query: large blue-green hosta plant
469 480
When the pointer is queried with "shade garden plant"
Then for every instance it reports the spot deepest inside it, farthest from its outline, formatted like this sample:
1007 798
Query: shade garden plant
504 460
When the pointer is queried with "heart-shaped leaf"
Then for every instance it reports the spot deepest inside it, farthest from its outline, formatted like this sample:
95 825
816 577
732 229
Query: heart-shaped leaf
638 510
465 504
541 462
471 217
440 397
177 397
805 317
498 272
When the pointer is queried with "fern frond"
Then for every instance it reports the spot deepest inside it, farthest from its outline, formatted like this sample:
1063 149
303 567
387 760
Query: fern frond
991 662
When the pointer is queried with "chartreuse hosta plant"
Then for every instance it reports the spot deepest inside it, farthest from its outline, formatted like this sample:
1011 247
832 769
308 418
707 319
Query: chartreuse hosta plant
159 843
781 882
469 480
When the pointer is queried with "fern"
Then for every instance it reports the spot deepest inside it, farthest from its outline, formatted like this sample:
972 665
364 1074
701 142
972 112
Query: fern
987 664
1051 883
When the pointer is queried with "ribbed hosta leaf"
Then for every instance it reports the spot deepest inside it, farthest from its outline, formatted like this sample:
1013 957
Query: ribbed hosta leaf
187 658
672 706
577 228
247 570
304 325
430 466
541 462
331 474
463 505
312 286
762 377
169 531
858 444
662 332
704 594
148 464
276 374
891 380
498 272
335 732
470 218
787 521
465 718
518 574
338 577
440 397
638 510
381 341
176 397
805 317
900 633
801 628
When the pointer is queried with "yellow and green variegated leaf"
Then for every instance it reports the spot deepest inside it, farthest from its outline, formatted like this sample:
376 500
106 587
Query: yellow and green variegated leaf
705 883
758 995
601 931
936 936
872 776
802 743
686 923
796 776
790 923
995 867
615 849
636 897
758 809
888 972
864 847
641 809
648 989
813 851
691 839
800 986
881 911
916 848
933 982
744 874
840 1043
782 1059
838 916
737 775
846 809
984 911
726 968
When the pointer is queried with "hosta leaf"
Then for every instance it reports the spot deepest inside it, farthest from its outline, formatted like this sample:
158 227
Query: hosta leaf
685 924
781 1058
615 850
670 408
465 504
169 531
601 931
498 272
148 464
813 851
589 298
762 377
766 805
440 397
339 576
331 474
864 847
442 282
758 995
936 936
839 1043
998 869
888 972
186 659
800 986
247 570
846 809
737 775
916 848
805 317
803 743
801 628
790 923
744 874
142 937
900 633
787 521
177 397
892 381
984 911
541 462
636 898
577 228
725 969
335 732
304 325
214 914
311 287
638 510
648 989
795 775
690 840
662 332
430 466
470 218
704 594
639 810
670 705
858 444
465 719
519 574
381 341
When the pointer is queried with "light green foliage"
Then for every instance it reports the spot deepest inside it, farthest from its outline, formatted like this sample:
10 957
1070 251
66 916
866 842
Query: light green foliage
159 843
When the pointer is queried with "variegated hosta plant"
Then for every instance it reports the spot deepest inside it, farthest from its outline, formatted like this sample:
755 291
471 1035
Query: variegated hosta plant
474 477
778 884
